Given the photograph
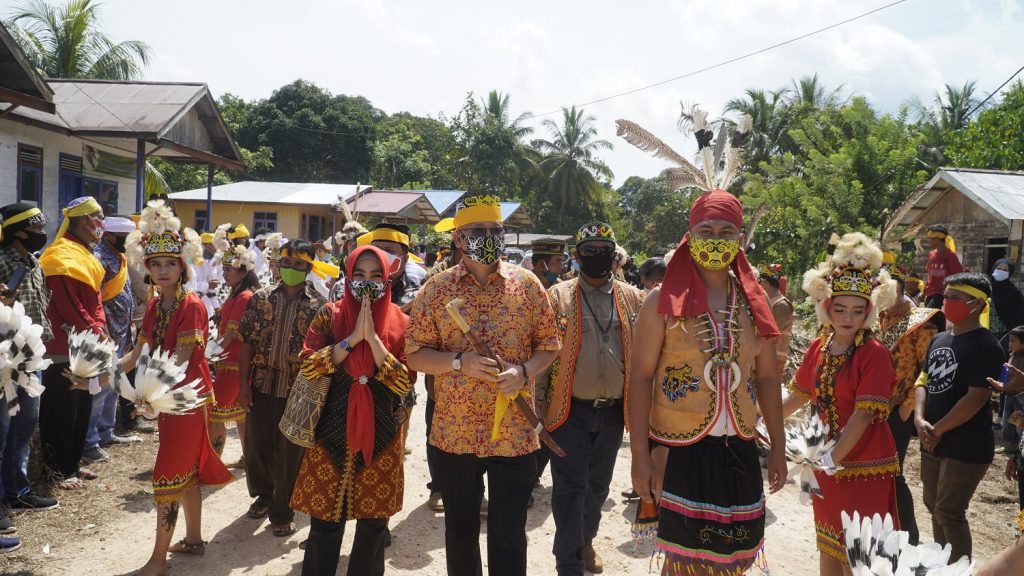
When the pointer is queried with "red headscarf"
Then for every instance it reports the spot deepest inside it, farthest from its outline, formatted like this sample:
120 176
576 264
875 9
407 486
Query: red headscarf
389 323
683 292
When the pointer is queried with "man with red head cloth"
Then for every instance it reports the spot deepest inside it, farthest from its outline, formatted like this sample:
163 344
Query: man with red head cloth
704 363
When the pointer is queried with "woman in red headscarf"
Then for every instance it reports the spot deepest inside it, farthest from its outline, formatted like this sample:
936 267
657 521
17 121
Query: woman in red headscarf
355 470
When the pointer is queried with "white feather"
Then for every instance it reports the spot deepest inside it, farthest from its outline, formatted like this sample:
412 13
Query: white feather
90 356
875 548
158 388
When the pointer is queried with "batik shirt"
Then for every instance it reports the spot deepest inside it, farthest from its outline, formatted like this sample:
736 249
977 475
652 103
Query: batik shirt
275 326
513 315
120 308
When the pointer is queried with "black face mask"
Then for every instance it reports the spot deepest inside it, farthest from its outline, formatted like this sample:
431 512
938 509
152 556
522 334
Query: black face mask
34 242
599 266
119 242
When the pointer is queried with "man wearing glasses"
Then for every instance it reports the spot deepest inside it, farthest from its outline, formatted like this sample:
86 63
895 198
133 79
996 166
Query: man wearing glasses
585 410
475 427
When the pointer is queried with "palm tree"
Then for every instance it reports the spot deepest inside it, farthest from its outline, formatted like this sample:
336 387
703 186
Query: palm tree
496 106
772 117
571 166
948 112
809 91
64 42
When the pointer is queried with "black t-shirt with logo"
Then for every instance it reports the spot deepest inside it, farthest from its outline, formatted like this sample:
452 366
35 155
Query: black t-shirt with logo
956 364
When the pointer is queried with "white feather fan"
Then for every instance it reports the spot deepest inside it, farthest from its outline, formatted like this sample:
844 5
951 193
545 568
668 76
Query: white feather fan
158 387
21 355
805 446
875 548
91 356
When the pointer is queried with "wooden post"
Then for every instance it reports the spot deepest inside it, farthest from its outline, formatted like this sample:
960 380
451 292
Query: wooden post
140 175
209 198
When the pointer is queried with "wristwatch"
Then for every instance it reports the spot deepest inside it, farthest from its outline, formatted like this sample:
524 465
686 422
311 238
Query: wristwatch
345 345
457 362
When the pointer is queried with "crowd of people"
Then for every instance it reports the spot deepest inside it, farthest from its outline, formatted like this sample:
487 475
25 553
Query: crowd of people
320 344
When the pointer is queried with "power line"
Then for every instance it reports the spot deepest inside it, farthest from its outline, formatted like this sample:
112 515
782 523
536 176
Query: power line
729 61
989 97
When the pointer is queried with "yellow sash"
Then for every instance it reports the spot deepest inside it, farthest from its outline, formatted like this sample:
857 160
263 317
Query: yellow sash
69 258
116 284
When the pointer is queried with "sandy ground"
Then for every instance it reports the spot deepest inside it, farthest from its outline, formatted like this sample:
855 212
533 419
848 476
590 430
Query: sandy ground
108 528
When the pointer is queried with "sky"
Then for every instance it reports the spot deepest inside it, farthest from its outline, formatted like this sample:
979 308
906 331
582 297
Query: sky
424 57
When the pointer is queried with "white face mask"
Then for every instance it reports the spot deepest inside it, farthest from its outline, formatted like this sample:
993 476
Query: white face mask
1000 275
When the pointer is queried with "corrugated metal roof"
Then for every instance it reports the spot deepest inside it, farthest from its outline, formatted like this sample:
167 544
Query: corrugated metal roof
443 200
998 192
513 214
404 204
275 193
17 74
176 119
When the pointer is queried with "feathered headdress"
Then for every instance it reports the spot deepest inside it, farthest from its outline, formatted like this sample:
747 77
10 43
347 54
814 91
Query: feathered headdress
272 248
850 271
720 164
220 238
239 257
21 355
160 235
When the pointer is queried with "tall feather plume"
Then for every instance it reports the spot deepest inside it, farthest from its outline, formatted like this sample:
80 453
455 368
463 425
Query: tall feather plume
648 142
158 386
677 178
737 148
720 140
704 137
21 355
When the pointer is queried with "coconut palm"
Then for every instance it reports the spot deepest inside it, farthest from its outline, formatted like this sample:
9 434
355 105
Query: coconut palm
772 117
65 42
571 167
809 91
950 111
497 105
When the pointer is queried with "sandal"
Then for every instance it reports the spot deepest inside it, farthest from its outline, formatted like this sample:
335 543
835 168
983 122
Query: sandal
86 474
258 510
71 484
283 530
185 547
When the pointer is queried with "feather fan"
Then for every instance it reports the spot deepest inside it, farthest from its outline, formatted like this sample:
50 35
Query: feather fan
158 387
648 142
90 355
21 355
214 345
875 548
805 446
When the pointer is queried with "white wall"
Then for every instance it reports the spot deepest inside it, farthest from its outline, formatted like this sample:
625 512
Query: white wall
53 144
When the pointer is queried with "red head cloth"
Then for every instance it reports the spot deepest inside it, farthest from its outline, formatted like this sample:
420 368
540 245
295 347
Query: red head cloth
389 323
683 292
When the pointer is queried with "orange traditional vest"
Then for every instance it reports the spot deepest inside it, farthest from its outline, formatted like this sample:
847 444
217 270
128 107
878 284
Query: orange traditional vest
685 405
565 298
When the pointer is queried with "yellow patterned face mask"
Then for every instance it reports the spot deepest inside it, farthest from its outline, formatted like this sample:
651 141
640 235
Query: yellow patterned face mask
714 253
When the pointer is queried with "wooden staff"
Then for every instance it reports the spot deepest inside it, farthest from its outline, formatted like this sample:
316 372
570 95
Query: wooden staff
483 349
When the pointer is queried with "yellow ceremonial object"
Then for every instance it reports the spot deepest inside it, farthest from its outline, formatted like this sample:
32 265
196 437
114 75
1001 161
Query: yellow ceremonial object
89 206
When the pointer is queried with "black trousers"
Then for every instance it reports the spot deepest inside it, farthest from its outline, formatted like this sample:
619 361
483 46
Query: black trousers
271 461
509 483
901 433
63 423
428 414
324 546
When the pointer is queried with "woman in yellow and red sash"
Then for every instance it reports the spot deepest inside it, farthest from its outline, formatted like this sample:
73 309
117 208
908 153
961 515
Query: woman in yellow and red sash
176 320
240 276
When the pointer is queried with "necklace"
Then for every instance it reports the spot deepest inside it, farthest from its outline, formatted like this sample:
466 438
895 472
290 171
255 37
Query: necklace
163 318
611 316
724 353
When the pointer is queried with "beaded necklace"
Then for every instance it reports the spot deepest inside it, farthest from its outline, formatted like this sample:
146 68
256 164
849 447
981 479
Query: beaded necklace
722 337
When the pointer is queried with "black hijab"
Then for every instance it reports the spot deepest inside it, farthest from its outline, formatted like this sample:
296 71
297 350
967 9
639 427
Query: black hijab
1007 299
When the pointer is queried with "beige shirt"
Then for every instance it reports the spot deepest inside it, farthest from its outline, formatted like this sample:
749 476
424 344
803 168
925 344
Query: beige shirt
601 366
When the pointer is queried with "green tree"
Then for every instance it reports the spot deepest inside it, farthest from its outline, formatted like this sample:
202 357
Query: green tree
572 170
498 106
948 112
996 139
653 218
772 117
810 92
491 156
65 42
315 136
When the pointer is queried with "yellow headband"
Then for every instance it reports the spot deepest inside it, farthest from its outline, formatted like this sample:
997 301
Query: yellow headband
240 232
972 291
364 239
389 235
445 225
89 206
321 269
23 216
206 238
950 244
478 213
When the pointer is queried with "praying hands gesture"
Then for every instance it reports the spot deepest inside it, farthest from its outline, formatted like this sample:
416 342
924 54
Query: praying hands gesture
363 331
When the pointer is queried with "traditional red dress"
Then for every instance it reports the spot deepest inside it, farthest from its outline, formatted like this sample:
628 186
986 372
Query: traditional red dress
185 455
225 386
838 385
